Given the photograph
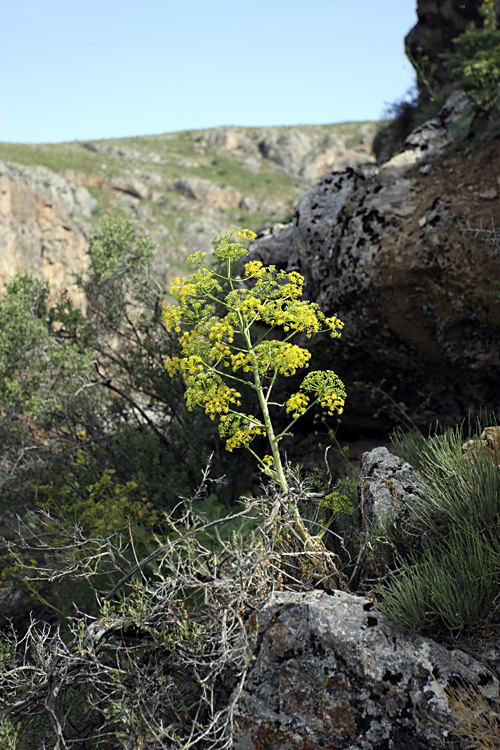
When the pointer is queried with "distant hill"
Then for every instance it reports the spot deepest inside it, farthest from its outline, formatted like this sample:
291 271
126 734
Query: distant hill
188 188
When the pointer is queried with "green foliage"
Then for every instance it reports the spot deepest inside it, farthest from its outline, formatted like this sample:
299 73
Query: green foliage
39 371
452 584
231 333
108 509
475 64
91 430
448 571
9 734
341 499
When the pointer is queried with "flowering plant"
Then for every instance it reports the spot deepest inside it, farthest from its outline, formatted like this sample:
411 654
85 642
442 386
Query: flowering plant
228 327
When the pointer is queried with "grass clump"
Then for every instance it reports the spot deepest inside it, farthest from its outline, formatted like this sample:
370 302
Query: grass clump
447 577
473 719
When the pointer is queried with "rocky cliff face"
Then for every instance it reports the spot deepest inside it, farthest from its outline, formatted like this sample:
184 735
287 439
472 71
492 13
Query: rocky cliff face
41 225
394 253
439 22
186 189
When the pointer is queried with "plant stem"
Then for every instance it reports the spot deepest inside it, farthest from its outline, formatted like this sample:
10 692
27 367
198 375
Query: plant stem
273 442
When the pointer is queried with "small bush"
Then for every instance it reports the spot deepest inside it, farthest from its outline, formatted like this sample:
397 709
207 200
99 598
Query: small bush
448 576
475 64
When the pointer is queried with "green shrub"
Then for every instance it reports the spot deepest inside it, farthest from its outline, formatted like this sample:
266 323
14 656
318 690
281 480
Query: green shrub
447 576
475 64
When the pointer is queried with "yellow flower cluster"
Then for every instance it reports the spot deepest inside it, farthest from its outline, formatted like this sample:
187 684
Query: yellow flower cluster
294 289
246 234
329 390
251 306
243 438
171 316
289 358
189 339
181 289
297 404
186 365
221 329
254 270
297 316
240 430
241 360
199 284
335 325
332 402
213 395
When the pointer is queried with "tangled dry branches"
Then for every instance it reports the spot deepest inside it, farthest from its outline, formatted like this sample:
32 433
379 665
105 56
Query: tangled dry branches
160 662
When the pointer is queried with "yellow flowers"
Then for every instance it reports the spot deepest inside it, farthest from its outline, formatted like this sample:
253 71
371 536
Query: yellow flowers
288 358
297 404
335 325
246 234
254 269
241 361
210 392
329 390
243 336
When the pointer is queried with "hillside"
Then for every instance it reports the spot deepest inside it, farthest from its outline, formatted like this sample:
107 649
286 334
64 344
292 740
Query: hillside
187 188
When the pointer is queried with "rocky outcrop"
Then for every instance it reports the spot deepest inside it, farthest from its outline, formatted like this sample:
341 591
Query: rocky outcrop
439 22
192 187
391 252
303 153
207 193
331 672
386 484
41 220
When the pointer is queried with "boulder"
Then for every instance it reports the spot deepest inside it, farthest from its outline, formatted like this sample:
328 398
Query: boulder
390 252
331 672
386 485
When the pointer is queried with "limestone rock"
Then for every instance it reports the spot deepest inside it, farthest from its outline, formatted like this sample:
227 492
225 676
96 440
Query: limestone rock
40 218
200 233
130 186
390 252
207 192
331 672
386 485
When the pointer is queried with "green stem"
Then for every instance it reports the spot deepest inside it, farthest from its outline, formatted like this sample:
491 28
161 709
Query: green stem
273 442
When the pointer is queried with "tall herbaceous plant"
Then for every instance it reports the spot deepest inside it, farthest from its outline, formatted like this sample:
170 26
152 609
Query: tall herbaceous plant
237 333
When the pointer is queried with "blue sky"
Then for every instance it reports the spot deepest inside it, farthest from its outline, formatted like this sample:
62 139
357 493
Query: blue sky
73 70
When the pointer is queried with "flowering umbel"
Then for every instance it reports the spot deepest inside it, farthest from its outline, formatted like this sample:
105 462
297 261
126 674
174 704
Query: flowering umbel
229 340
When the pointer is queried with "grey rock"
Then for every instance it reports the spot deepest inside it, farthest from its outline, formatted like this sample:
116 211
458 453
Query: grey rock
415 296
386 486
130 186
208 193
433 135
76 201
331 672
201 232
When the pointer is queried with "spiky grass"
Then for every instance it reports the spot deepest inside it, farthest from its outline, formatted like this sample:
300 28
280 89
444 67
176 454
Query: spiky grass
449 577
